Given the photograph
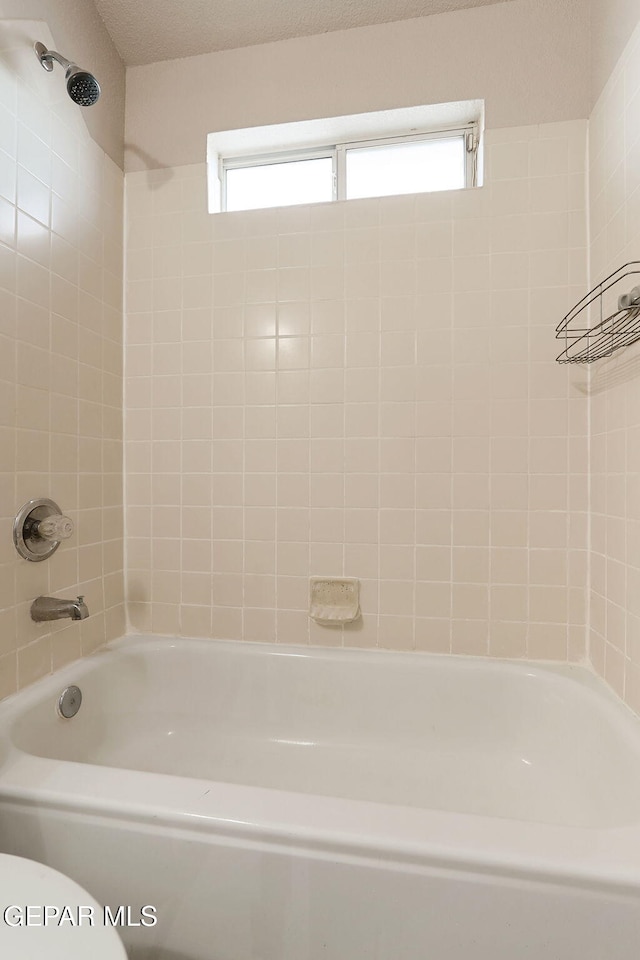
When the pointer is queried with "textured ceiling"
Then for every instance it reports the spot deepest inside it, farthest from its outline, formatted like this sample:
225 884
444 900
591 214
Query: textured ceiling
145 31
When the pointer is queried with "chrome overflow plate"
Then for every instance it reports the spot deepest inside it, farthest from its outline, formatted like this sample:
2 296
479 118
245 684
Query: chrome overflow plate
69 702
39 529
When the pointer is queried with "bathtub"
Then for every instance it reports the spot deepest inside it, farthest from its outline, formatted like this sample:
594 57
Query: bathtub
287 803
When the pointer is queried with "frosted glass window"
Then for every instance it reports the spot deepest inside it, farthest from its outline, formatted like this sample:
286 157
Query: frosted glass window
279 184
409 167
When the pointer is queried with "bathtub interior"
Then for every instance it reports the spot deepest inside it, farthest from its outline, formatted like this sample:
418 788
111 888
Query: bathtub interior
513 741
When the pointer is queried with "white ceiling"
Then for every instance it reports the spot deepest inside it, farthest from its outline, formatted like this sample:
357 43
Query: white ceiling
145 31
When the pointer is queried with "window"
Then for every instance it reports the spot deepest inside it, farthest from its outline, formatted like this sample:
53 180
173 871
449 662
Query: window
411 166
420 163
277 182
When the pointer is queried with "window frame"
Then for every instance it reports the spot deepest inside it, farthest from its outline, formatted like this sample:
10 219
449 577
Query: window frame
468 132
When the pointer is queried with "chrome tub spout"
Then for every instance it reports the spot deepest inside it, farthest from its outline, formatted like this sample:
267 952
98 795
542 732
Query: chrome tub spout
50 608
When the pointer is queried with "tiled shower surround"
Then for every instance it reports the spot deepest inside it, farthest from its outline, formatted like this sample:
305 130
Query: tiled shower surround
615 388
364 389
60 363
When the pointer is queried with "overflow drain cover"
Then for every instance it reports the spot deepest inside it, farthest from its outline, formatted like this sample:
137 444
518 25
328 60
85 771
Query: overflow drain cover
69 702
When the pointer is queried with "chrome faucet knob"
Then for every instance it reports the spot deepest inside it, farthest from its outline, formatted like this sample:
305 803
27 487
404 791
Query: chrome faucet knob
55 528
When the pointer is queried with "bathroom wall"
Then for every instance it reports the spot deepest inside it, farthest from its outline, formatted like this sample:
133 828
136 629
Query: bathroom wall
615 385
528 59
365 389
60 359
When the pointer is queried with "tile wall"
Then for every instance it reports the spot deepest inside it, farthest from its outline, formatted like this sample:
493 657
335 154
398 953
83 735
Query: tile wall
364 389
615 387
60 361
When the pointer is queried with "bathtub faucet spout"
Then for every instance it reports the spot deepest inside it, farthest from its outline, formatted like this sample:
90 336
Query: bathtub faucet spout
50 608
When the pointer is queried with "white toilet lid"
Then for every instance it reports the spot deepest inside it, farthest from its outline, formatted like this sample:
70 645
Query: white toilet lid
25 883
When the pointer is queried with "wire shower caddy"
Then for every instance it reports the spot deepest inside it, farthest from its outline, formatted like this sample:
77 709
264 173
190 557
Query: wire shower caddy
586 342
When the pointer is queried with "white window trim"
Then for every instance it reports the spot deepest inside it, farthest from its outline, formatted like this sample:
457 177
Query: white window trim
337 152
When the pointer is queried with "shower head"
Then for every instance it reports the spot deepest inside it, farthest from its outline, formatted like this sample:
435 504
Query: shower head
82 86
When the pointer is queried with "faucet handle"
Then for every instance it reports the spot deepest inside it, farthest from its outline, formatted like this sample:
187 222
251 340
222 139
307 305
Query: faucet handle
55 528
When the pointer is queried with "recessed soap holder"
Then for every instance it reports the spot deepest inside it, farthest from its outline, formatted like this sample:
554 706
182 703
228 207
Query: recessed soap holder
39 529
334 600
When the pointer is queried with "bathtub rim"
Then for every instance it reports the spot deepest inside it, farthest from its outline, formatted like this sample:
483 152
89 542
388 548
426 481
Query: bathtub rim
580 672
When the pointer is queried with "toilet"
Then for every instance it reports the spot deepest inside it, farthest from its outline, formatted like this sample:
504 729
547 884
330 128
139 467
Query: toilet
46 916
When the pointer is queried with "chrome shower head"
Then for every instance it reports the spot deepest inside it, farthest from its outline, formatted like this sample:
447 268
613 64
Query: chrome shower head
82 86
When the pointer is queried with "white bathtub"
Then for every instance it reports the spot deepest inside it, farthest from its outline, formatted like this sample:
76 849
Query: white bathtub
297 804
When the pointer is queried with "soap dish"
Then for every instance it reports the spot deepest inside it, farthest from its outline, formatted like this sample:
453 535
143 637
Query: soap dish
333 600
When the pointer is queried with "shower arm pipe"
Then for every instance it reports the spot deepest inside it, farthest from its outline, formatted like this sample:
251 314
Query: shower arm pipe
47 57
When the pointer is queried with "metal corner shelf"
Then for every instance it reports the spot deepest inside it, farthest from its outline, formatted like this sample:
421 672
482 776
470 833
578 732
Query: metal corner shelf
612 330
